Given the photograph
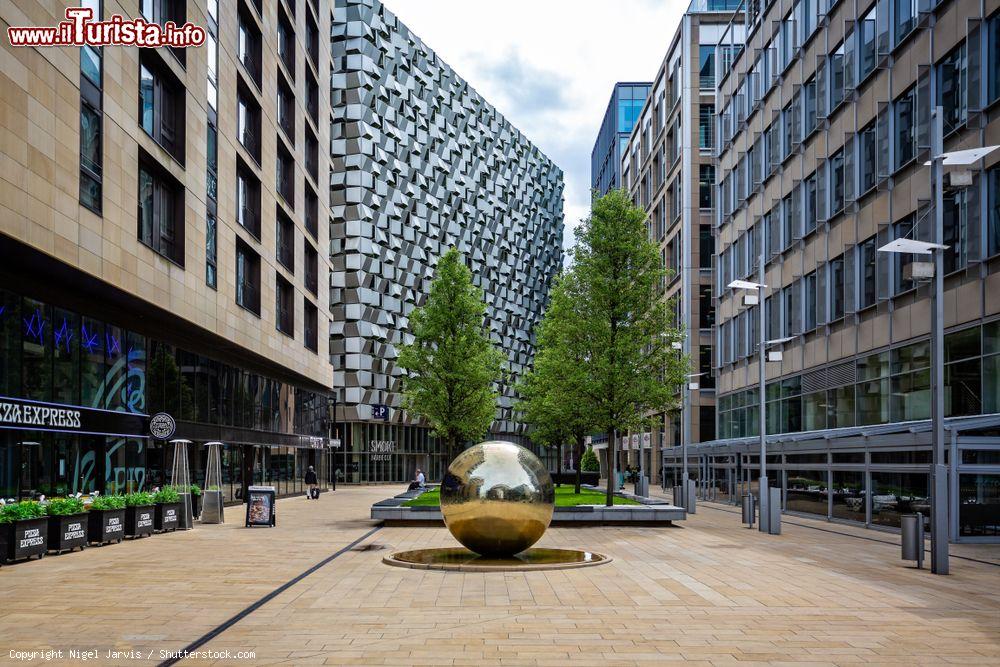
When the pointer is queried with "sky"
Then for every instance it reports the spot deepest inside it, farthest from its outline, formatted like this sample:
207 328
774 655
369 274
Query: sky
549 65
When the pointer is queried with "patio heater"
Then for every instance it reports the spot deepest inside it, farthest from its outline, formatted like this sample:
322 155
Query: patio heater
180 479
211 495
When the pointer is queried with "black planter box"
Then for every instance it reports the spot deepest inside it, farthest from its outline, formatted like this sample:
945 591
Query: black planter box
104 526
139 520
167 517
23 539
67 532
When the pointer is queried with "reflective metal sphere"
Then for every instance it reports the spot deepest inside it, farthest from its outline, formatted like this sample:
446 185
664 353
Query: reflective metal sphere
497 498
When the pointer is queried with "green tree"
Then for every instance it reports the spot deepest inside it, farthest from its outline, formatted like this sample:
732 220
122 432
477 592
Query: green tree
553 393
451 366
632 367
589 462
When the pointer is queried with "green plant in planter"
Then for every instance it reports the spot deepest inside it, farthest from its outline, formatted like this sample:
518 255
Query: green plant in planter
195 490
64 506
108 503
167 494
589 462
26 509
214 487
138 499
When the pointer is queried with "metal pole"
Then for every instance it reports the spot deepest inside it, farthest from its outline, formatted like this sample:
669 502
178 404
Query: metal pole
939 478
685 434
763 524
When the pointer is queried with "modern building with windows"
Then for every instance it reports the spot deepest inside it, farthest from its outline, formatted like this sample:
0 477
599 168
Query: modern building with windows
668 168
823 133
160 248
420 163
627 100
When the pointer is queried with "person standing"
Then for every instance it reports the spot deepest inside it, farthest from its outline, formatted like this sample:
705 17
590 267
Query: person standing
313 483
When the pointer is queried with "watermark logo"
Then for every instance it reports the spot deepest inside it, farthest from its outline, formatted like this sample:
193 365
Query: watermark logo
79 29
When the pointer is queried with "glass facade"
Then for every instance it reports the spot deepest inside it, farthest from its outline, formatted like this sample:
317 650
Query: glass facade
55 355
623 111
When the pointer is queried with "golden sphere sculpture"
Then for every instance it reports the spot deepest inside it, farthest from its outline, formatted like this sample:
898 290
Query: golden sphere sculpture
497 499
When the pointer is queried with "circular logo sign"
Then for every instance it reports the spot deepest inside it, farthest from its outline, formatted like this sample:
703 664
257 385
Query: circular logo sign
162 426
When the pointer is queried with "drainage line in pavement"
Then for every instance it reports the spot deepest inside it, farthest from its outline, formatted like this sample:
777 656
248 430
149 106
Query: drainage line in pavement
857 537
219 629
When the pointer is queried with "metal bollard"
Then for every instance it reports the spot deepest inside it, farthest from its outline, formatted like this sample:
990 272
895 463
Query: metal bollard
912 526
774 511
749 511
679 495
692 503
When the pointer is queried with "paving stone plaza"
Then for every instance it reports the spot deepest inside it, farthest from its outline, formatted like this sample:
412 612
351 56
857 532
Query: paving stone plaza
706 591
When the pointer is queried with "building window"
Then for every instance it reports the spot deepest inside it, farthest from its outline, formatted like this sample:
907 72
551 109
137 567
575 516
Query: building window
836 76
810 191
838 288
905 131
872 390
906 18
286 43
837 183
247 278
311 325
902 229
312 155
963 374
312 40
311 211
249 46
312 268
161 106
91 156
285 240
706 185
212 161
951 88
993 211
248 122
956 231
706 70
868 152
706 246
867 52
911 383
993 58
212 85
285 175
162 11
161 213
211 252
706 126
284 306
247 199
706 311
868 290
286 109
809 298
809 106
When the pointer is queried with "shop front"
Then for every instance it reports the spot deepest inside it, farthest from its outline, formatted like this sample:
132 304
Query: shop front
77 392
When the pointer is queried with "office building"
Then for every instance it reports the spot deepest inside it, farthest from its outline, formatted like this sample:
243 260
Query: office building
627 100
823 134
421 162
668 168
162 251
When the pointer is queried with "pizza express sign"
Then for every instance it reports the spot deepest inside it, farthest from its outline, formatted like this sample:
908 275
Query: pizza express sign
16 413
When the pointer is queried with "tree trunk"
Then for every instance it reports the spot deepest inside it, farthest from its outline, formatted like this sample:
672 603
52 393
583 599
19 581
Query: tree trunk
610 498
559 464
578 458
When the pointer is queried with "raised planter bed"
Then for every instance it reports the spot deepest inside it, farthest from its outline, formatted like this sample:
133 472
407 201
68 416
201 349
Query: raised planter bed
650 512
67 532
139 520
23 539
167 517
105 526
569 478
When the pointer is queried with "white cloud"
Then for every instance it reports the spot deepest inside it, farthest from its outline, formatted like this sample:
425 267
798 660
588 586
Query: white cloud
549 65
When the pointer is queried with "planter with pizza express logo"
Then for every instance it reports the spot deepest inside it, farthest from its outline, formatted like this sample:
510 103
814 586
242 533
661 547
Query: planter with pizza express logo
106 520
167 516
139 514
67 524
23 531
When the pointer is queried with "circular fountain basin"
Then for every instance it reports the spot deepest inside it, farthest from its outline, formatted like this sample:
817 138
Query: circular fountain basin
463 560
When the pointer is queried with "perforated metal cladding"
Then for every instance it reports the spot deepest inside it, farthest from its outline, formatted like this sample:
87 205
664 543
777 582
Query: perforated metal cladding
420 162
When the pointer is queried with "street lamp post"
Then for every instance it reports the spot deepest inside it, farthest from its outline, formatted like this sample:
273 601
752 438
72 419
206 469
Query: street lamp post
764 525
939 471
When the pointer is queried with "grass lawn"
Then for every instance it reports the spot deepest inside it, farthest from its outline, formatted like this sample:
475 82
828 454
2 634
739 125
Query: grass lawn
564 498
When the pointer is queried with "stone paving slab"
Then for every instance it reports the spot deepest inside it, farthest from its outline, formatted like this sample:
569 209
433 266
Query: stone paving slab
705 592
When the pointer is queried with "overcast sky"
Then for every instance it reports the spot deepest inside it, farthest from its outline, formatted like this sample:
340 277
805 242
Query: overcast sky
548 65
